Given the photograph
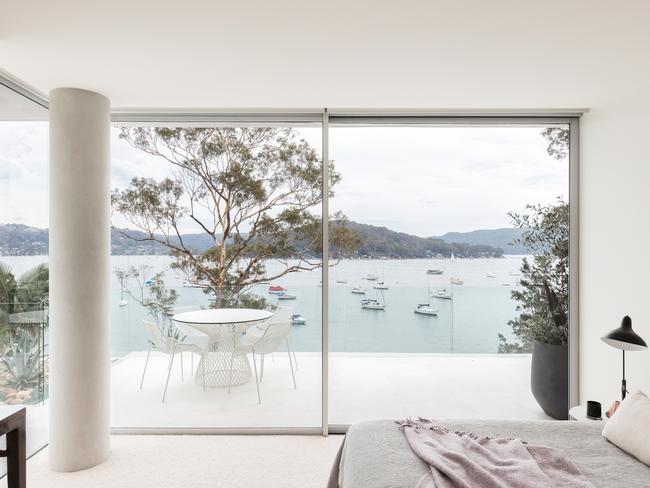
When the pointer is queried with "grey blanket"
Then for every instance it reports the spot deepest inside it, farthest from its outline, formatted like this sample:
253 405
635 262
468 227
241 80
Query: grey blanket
458 459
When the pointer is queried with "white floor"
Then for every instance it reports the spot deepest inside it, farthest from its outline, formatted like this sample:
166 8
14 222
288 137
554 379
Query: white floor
199 461
362 386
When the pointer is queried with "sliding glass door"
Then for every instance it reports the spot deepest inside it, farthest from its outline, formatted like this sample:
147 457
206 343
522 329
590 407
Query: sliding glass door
217 277
458 284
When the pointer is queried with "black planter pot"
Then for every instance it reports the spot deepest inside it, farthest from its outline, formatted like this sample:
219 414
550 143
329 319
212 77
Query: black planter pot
549 379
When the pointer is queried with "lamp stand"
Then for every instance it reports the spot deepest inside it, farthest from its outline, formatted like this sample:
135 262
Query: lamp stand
623 383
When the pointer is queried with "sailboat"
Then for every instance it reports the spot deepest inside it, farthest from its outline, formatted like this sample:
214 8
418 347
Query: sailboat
358 290
456 281
490 275
373 303
443 293
426 308
381 285
453 258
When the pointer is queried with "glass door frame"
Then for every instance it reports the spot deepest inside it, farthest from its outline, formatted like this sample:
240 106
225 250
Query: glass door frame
326 117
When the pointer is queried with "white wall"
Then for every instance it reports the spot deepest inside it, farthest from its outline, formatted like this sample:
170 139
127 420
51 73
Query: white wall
614 241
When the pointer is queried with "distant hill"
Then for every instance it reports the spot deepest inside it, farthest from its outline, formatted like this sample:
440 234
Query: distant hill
383 242
501 238
22 240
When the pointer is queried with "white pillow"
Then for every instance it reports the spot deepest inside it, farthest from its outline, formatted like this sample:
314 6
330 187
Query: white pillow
629 427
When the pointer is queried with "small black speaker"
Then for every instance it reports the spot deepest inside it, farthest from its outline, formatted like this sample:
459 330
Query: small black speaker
594 410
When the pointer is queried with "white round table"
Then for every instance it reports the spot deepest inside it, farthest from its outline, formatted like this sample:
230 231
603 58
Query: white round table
223 326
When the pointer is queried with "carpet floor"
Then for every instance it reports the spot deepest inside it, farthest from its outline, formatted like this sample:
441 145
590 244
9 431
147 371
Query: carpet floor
216 461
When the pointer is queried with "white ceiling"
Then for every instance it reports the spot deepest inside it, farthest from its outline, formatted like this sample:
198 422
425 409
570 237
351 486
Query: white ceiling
301 54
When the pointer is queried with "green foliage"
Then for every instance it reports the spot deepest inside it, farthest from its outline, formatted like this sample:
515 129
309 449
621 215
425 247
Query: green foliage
20 346
557 141
252 191
20 353
544 301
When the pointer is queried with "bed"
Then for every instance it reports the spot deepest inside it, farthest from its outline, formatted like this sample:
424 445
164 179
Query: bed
375 454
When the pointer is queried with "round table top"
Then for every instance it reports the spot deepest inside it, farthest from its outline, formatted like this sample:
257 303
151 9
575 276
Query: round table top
223 316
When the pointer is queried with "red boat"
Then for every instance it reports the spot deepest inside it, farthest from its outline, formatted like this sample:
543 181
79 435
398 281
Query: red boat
276 289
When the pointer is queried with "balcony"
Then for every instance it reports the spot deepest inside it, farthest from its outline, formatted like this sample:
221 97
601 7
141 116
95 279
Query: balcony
363 386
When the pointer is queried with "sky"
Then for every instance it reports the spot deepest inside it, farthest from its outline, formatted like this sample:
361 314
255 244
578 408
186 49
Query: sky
420 180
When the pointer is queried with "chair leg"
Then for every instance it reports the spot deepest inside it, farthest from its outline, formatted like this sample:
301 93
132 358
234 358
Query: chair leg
169 372
295 361
145 367
261 367
182 379
257 383
291 363
232 360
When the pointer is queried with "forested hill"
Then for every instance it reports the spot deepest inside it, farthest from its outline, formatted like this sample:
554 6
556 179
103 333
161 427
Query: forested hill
383 242
22 240
502 238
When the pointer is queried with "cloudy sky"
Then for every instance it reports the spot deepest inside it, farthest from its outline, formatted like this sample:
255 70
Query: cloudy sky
420 180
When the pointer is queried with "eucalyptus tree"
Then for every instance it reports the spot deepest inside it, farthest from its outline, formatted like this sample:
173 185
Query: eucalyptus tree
252 192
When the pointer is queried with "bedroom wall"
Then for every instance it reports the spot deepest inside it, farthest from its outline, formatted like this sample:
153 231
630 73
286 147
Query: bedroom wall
614 241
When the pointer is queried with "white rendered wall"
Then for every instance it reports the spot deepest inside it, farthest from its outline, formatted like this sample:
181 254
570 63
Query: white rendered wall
614 242
79 279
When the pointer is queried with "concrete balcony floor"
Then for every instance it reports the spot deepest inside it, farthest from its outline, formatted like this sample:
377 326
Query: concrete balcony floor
362 386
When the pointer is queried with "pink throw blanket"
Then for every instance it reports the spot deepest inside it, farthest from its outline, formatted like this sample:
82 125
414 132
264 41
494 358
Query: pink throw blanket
464 460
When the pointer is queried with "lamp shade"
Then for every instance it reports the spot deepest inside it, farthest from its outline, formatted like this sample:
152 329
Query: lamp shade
624 337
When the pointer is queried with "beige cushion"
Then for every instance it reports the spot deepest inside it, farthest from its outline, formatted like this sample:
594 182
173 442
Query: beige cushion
629 427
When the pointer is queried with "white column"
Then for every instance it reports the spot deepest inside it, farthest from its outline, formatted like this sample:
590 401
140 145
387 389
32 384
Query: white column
79 279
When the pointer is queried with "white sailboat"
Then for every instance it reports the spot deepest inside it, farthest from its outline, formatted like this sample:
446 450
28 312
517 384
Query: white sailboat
380 285
456 281
374 303
490 275
426 309
443 294
358 290
453 258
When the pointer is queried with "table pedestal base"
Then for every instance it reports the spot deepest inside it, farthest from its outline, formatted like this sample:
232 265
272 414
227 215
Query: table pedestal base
217 369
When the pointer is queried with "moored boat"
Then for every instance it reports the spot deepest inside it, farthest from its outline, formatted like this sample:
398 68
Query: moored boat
286 296
298 319
456 281
276 290
358 290
426 309
372 304
444 294
434 271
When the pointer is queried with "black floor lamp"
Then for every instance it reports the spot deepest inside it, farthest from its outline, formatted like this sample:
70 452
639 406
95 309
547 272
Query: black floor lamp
626 339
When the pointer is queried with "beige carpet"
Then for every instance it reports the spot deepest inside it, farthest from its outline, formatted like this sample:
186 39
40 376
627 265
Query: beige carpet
199 461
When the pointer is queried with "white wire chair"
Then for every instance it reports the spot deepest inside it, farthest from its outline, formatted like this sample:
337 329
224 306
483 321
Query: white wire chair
265 339
186 339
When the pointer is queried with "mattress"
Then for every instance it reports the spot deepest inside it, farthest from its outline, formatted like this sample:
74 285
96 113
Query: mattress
375 454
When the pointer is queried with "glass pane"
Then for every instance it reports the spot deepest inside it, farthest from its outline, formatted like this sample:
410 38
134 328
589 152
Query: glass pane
460 258
24 278
206 221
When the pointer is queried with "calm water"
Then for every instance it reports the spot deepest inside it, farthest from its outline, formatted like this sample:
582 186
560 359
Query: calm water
469 323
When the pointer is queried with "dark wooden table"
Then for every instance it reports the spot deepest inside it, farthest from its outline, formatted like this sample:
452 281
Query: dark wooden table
13 426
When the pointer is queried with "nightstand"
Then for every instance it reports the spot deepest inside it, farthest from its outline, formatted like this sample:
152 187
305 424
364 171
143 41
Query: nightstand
579 413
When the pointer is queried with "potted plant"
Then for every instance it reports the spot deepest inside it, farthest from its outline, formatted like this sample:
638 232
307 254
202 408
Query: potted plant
543 302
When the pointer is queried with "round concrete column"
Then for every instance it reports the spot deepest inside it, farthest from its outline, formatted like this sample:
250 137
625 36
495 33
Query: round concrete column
79 279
